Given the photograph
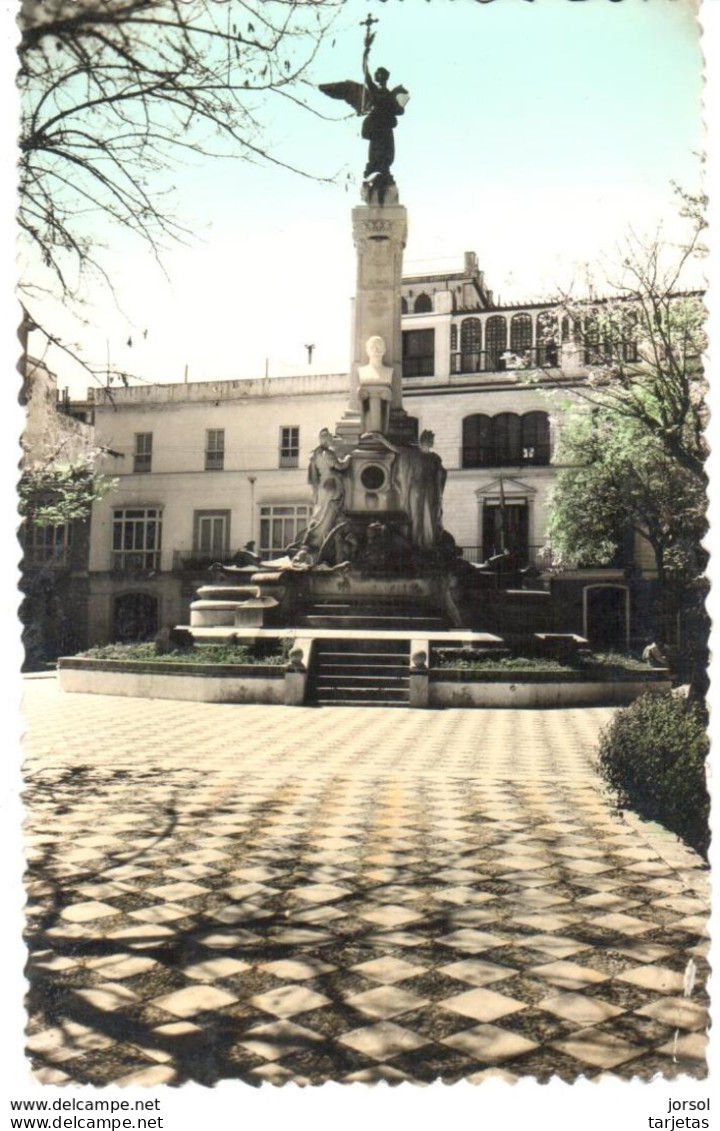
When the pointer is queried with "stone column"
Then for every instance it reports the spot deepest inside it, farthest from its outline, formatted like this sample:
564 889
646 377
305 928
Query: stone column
379 234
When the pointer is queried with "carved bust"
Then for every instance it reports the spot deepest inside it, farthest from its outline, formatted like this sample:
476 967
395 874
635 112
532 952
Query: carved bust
375 387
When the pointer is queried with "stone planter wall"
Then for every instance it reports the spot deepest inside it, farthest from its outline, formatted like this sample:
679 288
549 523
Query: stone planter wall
203 683
461 688
244 683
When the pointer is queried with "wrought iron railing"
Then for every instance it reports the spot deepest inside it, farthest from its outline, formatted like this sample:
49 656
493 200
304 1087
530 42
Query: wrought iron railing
197 561
523 558
44 557
502 360
472 457
135 561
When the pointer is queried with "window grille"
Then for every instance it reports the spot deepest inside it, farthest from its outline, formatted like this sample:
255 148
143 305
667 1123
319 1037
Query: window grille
495 341
289 447
215 449
143 452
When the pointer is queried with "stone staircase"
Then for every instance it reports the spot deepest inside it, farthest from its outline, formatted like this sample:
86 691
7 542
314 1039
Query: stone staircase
375 616
360 673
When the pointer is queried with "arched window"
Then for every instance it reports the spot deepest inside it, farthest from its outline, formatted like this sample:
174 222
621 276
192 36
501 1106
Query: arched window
630 331
536 438
546 330
495 340
597 347
423 304
521 333
454 354
403 306
507 439
470 345
570 331
477 450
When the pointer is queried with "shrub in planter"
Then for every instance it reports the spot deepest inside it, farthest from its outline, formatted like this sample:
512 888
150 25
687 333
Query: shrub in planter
270 652
652 755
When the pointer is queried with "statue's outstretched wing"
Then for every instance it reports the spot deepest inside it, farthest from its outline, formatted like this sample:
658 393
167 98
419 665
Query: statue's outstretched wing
351 92
401 95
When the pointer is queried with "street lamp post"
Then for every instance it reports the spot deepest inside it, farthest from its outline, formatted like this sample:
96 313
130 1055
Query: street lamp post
251 480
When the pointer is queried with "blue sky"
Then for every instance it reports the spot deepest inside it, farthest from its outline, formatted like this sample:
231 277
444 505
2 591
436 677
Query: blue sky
535 134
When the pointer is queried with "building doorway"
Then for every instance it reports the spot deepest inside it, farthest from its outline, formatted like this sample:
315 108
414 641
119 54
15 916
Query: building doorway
506 528
135 617
606 616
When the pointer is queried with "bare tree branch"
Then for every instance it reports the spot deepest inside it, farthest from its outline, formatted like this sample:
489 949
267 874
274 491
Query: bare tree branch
115 91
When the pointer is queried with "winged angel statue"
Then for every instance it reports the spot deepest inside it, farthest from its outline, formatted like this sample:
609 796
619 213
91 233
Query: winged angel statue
380 107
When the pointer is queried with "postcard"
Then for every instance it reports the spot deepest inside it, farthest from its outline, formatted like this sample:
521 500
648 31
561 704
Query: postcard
364 609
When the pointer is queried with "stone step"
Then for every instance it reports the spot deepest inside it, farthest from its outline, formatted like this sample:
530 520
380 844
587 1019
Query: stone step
362 646
233 593
375 608
389 694
212 613
359 703
363 656
381 671
375 603
360 622
364 673
359 680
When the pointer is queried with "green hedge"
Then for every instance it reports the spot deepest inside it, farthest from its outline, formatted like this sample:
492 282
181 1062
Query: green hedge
652 755
272 651
597 665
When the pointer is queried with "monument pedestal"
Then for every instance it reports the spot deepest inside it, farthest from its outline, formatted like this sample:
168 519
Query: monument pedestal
402 429
379 234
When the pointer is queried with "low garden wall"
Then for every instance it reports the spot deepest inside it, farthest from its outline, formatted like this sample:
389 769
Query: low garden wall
204 683
277 683
462 688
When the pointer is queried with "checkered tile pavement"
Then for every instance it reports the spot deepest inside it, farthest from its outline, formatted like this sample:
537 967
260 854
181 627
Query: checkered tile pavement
287 894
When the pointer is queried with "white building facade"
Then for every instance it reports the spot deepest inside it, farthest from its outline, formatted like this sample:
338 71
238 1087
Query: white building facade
208 467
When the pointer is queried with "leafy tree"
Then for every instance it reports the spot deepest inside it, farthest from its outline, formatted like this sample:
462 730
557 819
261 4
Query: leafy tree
643 342
114 92
55 494
636 454
621 479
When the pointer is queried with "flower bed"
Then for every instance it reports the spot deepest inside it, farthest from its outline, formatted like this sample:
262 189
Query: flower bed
259 672
582 666
584 680
273 653
210 673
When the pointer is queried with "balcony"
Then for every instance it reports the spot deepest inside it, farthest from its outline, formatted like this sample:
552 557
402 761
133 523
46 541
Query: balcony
505 360
473 458
536 556
135 561
46 557
200 561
